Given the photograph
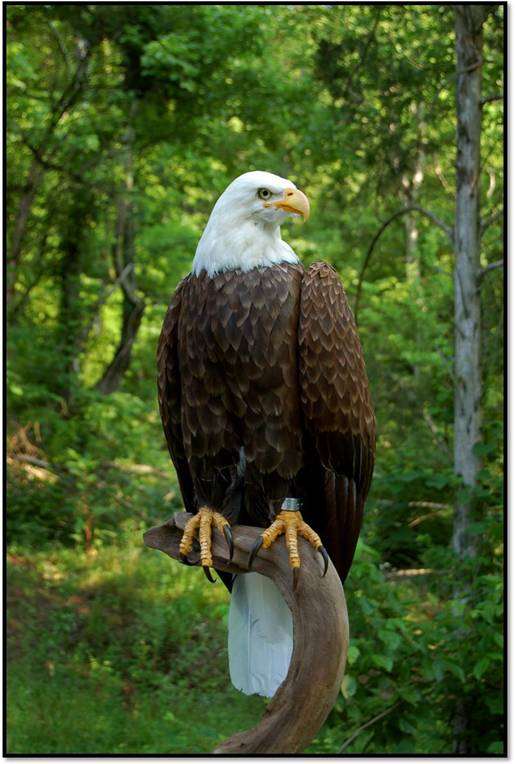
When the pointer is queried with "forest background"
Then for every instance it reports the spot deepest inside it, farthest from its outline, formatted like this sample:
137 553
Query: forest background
124 125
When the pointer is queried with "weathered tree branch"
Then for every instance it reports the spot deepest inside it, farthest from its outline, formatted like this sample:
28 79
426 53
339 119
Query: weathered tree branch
320 631
410 208
35 462
491 98
488 221
48 164
370 722
488 268
428 419
103 299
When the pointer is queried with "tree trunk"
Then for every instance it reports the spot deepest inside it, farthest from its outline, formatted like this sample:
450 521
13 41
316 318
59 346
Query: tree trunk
71 309
20 226
131 321
469 21
467 404
411 183
124 257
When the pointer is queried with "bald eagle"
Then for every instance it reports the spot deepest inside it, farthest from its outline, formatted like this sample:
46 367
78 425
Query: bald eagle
265 406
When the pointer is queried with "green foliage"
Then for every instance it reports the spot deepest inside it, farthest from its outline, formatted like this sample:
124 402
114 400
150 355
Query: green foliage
128 652
124 125
413 652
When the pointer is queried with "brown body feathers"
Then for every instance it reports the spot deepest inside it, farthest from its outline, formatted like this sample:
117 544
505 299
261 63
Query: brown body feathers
263 394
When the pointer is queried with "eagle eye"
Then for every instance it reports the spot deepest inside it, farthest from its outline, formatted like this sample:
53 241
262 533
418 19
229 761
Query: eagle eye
264 193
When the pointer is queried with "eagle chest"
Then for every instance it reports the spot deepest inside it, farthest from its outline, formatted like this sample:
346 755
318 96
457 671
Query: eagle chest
238 345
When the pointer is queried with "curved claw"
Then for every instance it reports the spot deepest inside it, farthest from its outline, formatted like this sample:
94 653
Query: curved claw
325 557
296 572
184 559
253 552
229 539
208 575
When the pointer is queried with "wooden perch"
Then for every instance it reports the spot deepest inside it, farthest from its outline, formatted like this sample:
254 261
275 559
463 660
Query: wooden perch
320 636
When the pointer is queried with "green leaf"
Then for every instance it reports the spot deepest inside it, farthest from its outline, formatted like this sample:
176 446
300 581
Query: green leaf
352 654
383 661
481 666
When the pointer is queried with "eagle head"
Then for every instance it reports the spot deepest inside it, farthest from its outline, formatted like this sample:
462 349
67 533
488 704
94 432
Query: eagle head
243 230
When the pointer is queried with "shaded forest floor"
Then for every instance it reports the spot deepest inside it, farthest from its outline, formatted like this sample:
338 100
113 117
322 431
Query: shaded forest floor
118 650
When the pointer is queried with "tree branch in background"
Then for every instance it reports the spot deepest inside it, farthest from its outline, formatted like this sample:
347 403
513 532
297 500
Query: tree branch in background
488 268
133 309
428 419
103 299
370 722
68 98
433 505
124 255
19 227
60 44
491 98
34 461
411 208
47 163
488 221
21 302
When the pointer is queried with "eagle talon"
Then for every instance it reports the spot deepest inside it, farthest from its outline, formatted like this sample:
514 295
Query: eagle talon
201 524
290 523
208 575
325 557
229 539
253 552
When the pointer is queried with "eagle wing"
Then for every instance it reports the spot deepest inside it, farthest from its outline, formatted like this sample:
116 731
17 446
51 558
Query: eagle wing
338 414
169 396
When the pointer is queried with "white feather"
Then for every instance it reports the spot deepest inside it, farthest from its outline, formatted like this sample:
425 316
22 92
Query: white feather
243 232
260 635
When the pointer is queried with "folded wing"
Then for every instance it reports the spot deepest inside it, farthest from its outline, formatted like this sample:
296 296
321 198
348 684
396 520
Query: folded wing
338 414
169 397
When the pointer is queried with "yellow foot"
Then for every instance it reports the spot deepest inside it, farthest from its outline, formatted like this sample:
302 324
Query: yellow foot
202 523
291 524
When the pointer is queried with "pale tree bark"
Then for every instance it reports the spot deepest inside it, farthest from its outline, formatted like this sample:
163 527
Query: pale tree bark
469 21
411 183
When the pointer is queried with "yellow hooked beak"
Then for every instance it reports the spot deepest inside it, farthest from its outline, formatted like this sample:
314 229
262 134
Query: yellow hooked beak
293 201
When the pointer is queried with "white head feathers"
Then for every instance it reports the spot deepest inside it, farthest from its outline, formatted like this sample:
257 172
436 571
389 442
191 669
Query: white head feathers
243 230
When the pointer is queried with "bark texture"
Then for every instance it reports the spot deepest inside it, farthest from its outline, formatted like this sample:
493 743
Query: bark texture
469 21
320 630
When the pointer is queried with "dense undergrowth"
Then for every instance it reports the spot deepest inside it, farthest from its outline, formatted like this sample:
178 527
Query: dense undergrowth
118 649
